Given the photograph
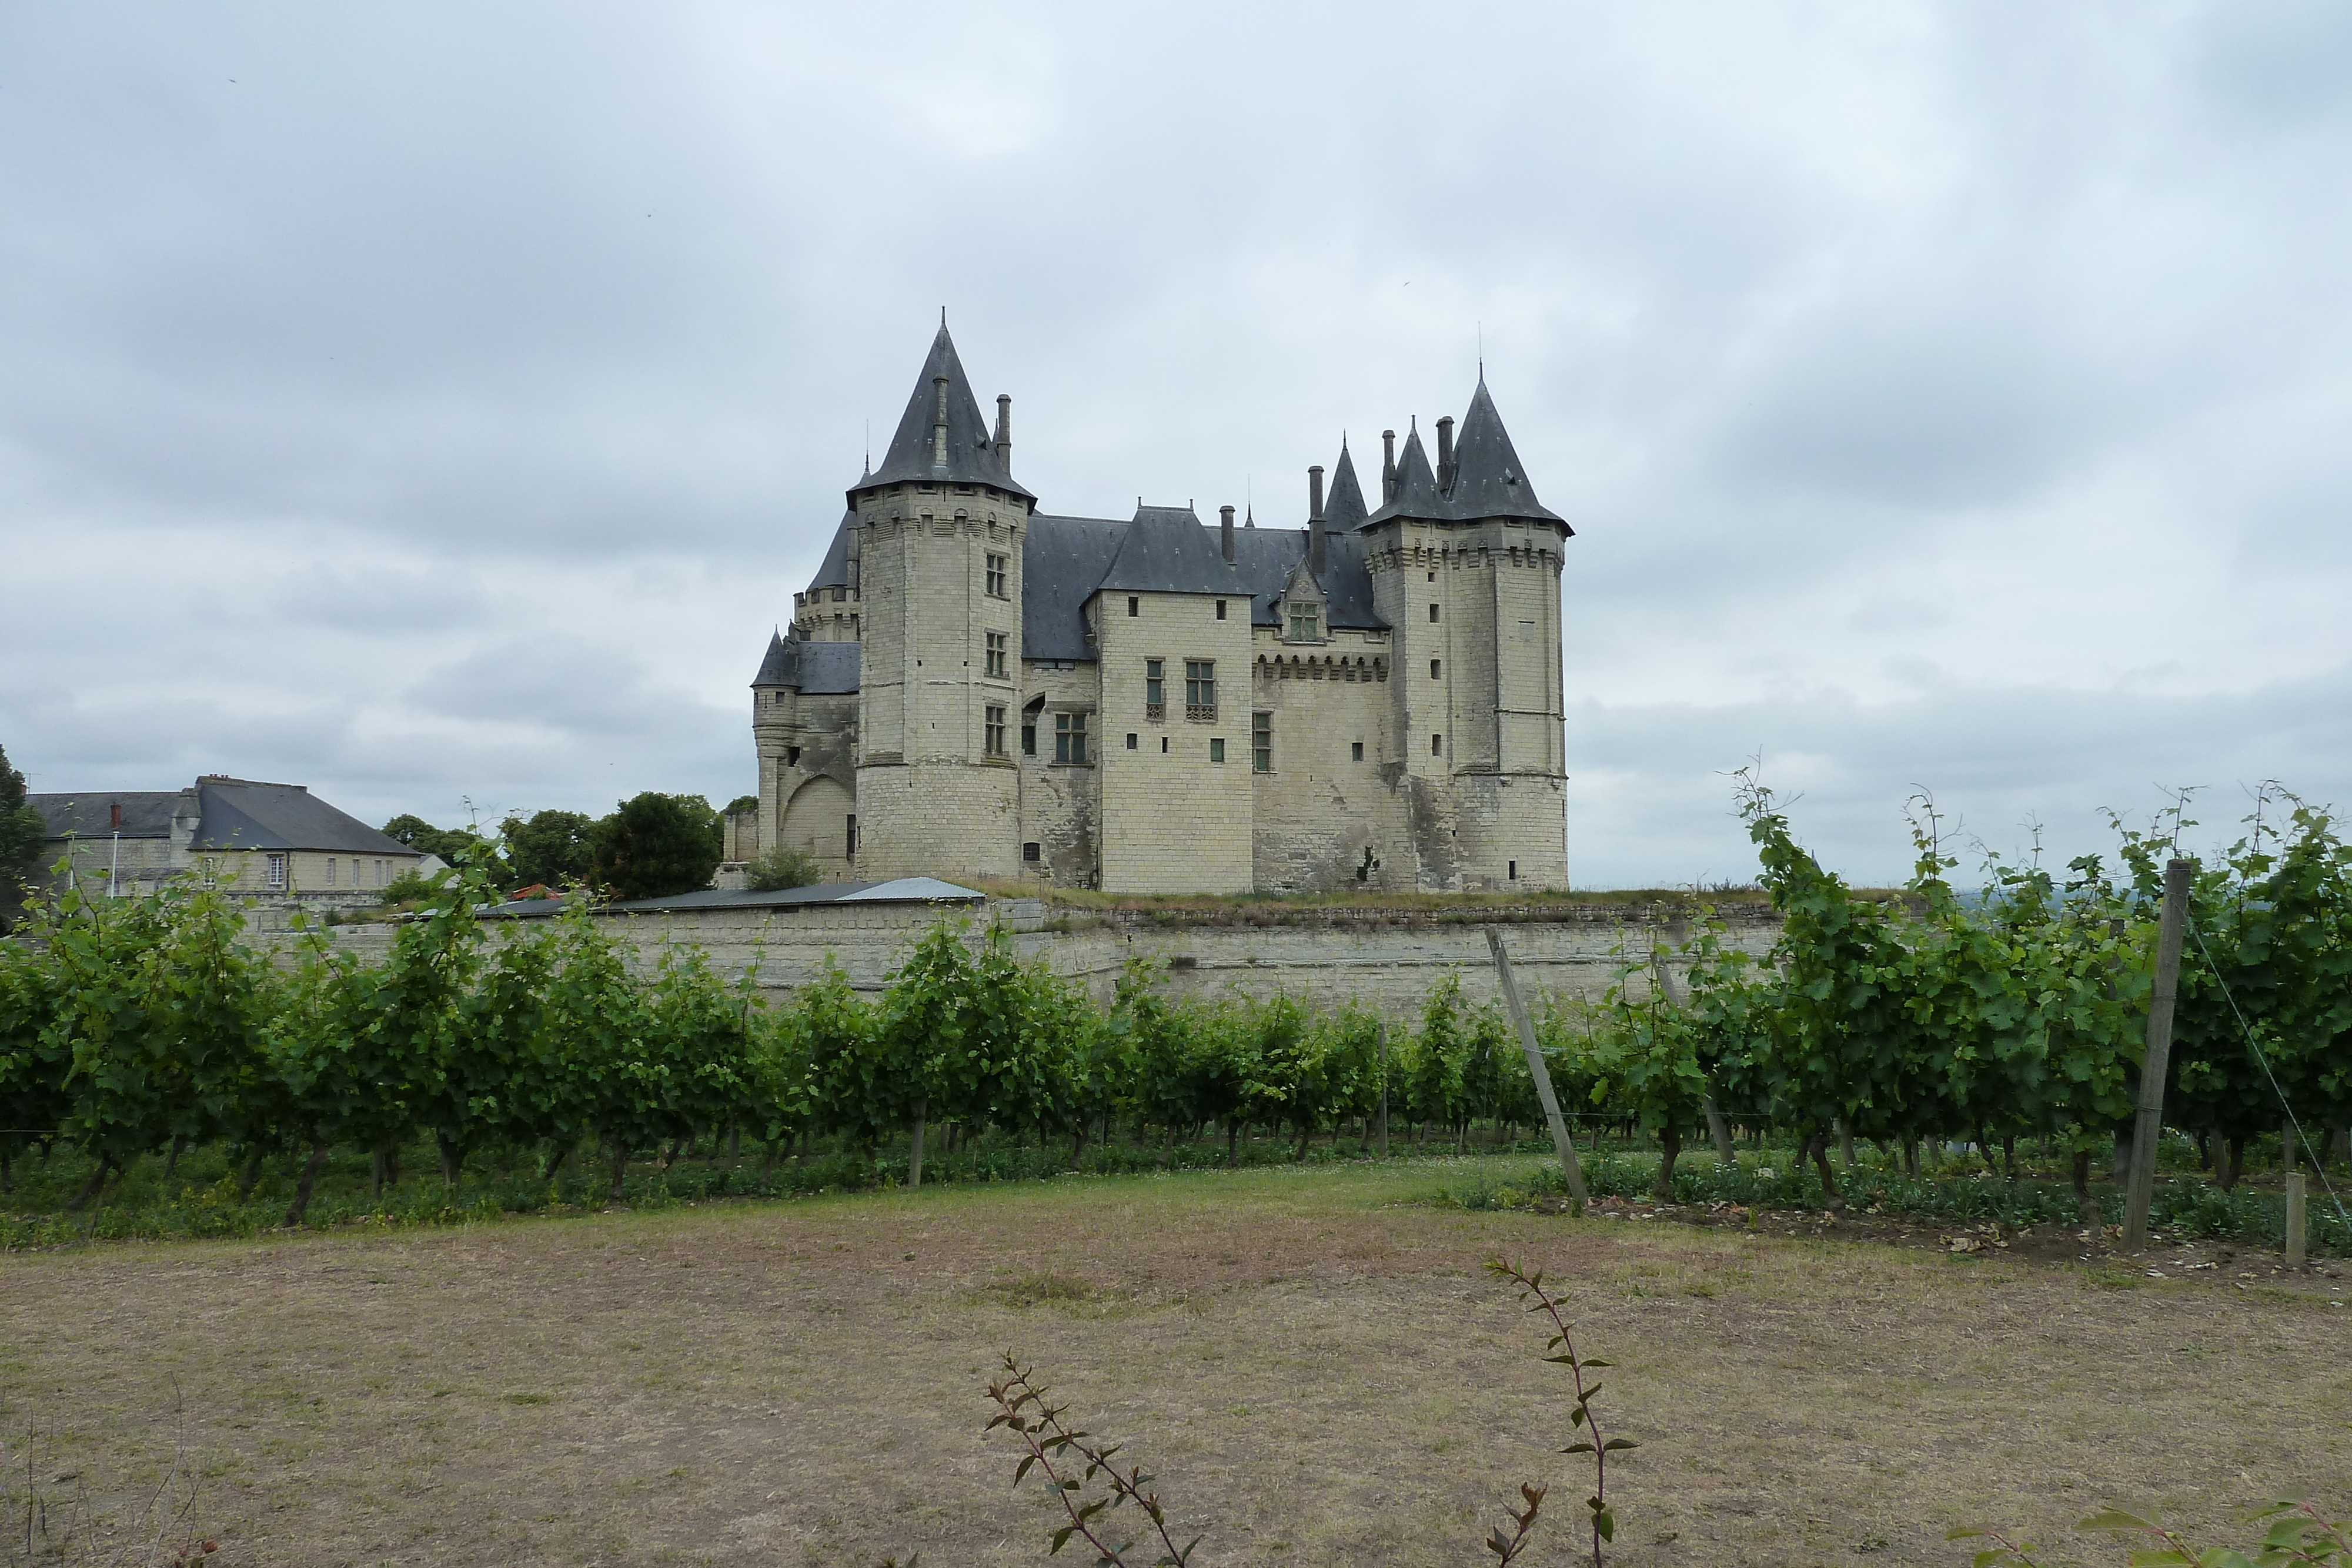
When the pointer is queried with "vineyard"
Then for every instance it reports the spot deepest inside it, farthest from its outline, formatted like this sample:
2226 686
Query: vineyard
1970 1055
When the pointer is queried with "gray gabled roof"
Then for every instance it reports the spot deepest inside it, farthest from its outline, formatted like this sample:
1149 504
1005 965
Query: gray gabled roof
146 813
971 448
1166 551
231 814
1062 563
1489 481
1416 493
239 814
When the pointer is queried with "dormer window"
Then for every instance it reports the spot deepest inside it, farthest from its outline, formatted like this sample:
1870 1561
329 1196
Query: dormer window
1306 622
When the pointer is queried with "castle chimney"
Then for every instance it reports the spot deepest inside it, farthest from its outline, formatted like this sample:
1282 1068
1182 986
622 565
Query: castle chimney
940 422
1388 466
1004 431
1315 522
1445 453
1225 532
114 815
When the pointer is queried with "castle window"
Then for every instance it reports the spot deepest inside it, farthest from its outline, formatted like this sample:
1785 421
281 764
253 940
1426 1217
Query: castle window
1302 618
1437 746
997 642
840 594
1262 742
1028 736
277 872
1131 741
1433 577
1221 610
1217 750
1356 751
1070 738
1514 871
849 836
1134 606
1433 613
996 577
853 625
1433 670
994 731
1155 688
1200 688
1163 746
792 757
1032 852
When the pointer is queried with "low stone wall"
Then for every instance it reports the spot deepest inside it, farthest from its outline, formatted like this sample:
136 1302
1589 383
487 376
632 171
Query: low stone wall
1386 959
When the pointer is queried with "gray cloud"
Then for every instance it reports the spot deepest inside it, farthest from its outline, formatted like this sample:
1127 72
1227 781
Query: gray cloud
445 402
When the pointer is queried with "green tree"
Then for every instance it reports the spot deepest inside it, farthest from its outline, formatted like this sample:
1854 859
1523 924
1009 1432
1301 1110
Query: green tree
550 850
426 839
654 845
23 832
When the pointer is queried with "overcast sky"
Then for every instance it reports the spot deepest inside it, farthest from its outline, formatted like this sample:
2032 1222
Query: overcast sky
433 402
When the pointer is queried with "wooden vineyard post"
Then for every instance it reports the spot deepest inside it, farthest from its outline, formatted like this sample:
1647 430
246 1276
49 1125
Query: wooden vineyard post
2297 1222
1384 1089
915 1142
2148 1126
1536 1069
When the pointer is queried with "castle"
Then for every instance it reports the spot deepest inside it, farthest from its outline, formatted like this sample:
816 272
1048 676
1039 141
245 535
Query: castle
972 687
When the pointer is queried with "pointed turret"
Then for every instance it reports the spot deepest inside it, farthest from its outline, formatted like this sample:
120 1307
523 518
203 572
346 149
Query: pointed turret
782 668
1343 511
1488 480
1416 485
943 438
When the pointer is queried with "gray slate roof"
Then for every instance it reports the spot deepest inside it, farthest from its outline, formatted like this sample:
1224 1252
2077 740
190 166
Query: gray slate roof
1264 558
146 813
834 571
1166 551
1489 481
232 814
971 445
1062 563
814 669
1343 510
1416 492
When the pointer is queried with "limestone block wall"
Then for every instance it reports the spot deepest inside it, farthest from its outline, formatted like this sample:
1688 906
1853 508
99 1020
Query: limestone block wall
1176 814
808 774
1325 801
1060 802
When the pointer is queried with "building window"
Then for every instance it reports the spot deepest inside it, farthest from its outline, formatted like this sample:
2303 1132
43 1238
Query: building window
1217 750
1356 752
1155 688
1131 741
1514 871
1033 852
996 652
1163 746
1221 610
1262 742
792 757
211 871
1302 618
1200 688
1433 577
849 836
1433 613
381 868
1069 737
1028 735
994 731
1437 746
996 577
331 871
1433 669
1134 606
277 872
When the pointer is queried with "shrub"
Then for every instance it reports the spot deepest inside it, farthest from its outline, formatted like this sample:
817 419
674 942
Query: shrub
781 868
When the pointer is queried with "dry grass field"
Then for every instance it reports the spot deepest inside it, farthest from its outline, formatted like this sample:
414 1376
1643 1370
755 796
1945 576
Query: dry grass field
1311 1361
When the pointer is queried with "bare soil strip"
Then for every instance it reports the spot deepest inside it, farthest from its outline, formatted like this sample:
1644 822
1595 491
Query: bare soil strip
1311 1362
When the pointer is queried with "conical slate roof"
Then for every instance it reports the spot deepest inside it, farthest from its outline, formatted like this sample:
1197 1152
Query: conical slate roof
1489 481
834 571
782 668
1343 513
970 453
1416 492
